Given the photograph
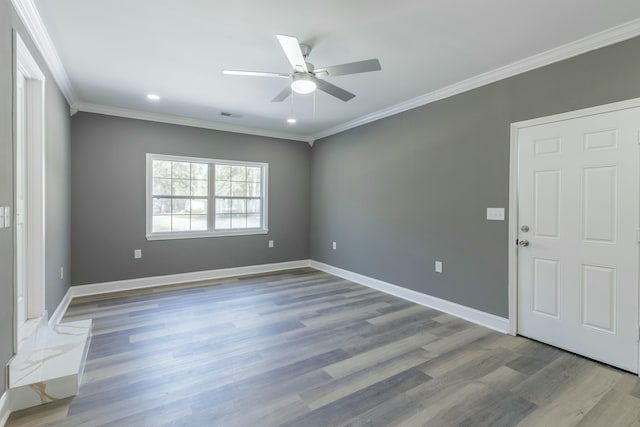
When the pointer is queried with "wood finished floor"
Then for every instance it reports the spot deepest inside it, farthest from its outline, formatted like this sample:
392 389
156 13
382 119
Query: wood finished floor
303 348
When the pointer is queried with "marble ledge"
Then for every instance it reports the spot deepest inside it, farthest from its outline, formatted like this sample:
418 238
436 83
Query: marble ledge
49 367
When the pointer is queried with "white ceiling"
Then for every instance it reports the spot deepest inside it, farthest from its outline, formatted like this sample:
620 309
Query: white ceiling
117 51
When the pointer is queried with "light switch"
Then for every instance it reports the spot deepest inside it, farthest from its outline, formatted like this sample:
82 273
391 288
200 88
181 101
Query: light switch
495 214
7 216
270 243
137 253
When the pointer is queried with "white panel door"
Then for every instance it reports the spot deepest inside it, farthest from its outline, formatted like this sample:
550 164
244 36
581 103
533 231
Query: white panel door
578 210
21 201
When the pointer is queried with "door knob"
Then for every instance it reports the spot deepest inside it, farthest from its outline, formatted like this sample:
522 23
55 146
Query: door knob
523 243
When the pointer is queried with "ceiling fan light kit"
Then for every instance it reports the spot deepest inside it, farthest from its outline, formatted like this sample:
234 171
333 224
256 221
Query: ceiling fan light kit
303 84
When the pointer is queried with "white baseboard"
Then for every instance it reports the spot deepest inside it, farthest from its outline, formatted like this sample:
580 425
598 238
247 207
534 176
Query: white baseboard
57 315
5 408
476 316
482 318
174 279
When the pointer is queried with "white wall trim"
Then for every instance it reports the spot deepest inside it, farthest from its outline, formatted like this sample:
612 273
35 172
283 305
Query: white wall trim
513 188
33 148
5 408
57 315
173 279
185 121
482 318
607 37
30 17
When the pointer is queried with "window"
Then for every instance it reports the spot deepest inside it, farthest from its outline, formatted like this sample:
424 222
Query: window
196 197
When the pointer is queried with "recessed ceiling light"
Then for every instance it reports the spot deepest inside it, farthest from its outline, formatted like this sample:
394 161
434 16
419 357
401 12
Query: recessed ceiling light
153 97
291 120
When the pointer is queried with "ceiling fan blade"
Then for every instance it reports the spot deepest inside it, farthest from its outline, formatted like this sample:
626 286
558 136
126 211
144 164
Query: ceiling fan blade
282 95
254 73
291 48
351 68
333 90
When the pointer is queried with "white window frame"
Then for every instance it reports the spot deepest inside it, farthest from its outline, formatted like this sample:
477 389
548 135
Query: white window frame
211 197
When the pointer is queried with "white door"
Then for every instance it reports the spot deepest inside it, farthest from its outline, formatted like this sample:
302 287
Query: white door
21 201
578 197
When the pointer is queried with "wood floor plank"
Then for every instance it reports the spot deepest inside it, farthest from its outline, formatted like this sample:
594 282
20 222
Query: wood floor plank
304 348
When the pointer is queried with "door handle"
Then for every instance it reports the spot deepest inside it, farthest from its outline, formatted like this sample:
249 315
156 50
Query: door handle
523 243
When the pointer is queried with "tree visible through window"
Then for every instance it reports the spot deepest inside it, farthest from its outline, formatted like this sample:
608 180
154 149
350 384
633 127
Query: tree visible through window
201 197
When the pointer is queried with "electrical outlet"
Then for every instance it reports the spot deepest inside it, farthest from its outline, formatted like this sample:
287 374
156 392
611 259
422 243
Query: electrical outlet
335 246
271 243
438 266
137 253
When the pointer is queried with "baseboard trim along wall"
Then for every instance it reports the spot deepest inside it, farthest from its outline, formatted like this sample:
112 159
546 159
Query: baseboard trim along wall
57 315
5 409
482 318
175 279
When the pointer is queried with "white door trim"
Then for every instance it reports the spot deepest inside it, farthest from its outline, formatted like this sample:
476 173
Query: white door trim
35 170
513 191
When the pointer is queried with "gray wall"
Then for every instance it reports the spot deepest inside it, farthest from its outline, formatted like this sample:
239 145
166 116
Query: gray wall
108 202
400 193
57 157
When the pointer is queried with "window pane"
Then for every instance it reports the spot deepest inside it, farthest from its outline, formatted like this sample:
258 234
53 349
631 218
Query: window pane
181 187
253 206
161 187
253 221
198 222
180 206
238 206
253 189
223 173
254 174
181 170
238 221
223 221
199 171
238 189
238 173
180 222
161 169
223 206
161 223
161 206
198 206
223 188
199 188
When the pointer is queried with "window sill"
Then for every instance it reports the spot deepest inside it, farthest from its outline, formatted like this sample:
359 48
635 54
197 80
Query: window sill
176 236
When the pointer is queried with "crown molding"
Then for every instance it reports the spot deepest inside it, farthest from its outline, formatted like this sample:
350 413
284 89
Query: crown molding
185 121
596 41
30 17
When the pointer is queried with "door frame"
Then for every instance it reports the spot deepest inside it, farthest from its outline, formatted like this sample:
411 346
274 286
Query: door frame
514 186
34 142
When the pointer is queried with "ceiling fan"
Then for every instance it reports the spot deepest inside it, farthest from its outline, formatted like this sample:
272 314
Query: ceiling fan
305 78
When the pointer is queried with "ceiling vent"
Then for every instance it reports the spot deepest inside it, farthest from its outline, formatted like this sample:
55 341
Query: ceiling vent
231 115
